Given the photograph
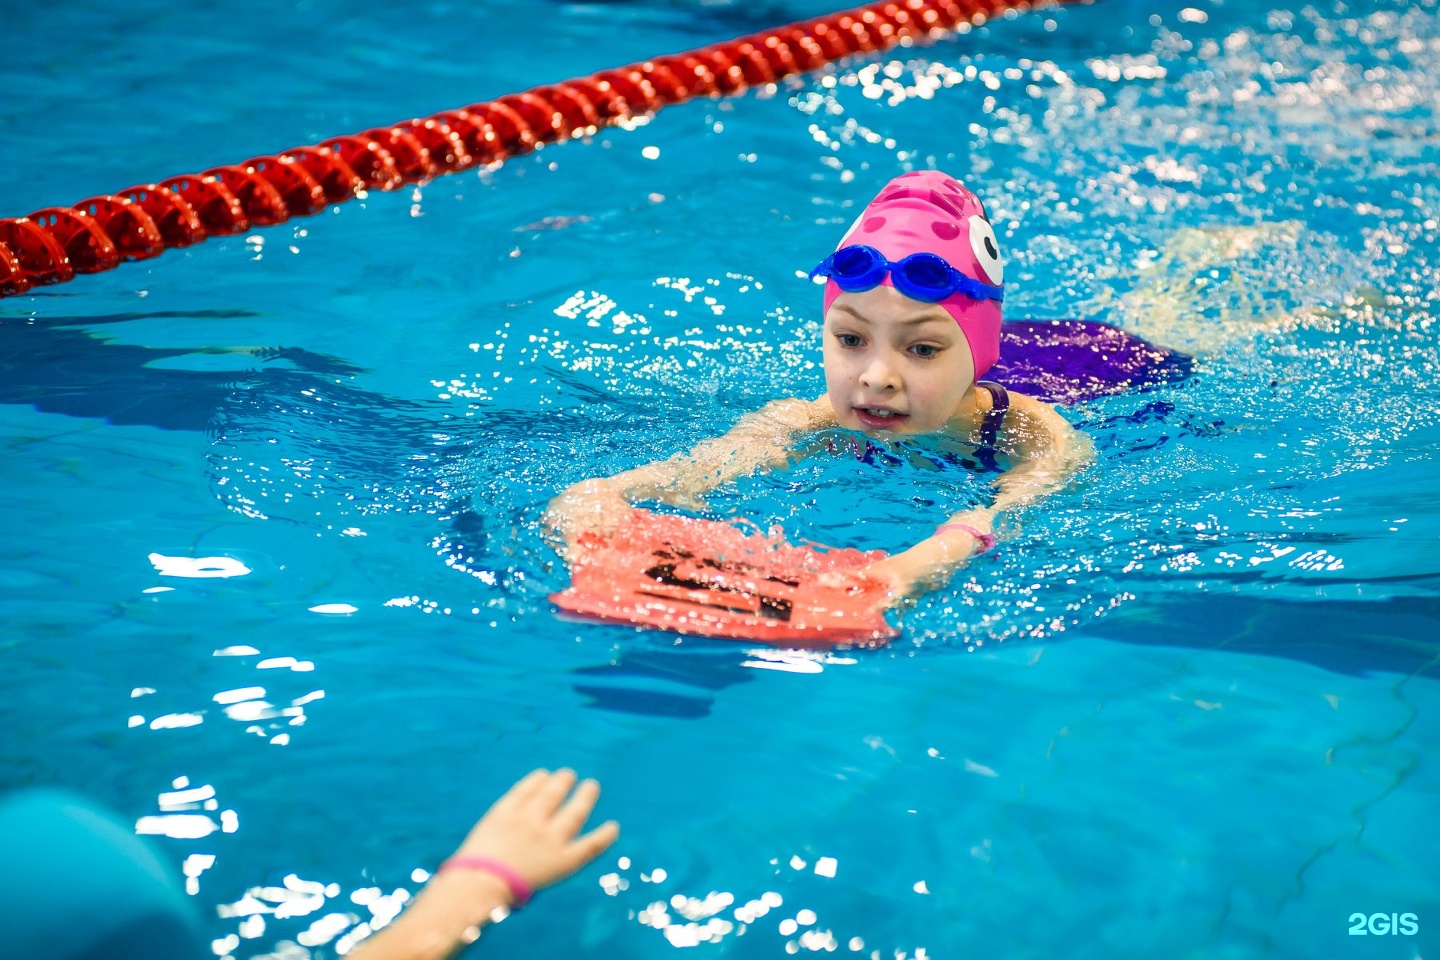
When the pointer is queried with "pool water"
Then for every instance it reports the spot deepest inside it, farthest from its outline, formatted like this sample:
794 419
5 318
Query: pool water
1183 710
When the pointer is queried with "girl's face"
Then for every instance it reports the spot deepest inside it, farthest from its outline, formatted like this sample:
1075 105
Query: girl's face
894 364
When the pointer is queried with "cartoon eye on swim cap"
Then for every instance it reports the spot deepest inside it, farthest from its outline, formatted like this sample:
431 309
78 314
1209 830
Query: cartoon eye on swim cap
986 250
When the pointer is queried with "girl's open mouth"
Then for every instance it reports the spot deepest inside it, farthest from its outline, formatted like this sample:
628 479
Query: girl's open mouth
878 418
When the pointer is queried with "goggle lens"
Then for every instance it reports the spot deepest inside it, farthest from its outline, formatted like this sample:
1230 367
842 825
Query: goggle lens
858 268
923 276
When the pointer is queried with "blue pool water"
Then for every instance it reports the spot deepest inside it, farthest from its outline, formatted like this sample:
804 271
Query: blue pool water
1184 710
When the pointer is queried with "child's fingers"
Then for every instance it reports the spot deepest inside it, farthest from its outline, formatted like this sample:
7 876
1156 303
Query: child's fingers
576 810
549 794
592 844
524 788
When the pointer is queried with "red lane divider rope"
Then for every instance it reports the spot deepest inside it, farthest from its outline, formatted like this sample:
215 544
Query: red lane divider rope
54 244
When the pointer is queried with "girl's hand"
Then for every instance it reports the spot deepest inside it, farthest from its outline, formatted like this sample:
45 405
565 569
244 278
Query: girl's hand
892 574
684 499
895 574
590 505
925 566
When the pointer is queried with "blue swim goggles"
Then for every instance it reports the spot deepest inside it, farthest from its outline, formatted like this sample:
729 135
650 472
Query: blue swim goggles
921 276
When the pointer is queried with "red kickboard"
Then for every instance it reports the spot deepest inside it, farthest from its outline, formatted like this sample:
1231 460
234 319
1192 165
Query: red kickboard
710 579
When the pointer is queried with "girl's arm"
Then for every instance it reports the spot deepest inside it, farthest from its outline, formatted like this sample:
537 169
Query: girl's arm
1046 452
764 438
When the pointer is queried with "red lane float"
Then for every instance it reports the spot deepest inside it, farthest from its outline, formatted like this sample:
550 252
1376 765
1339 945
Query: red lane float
53 244
86 245
129 227
367 159
40 256
261 202
217 210
13 278
174 219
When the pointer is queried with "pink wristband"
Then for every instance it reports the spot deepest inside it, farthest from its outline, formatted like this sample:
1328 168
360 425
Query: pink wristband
986 540
520 891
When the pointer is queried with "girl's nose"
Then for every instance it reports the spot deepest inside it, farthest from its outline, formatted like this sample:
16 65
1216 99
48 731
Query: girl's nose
879 375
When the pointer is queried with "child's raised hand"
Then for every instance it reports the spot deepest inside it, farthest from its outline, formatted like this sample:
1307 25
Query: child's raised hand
529 839
535 828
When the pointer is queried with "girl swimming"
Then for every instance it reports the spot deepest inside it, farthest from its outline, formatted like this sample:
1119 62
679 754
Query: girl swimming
912 322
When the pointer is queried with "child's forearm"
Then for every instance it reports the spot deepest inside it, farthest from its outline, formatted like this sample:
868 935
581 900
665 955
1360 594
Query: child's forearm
445 917
933 561
761 439
663 480
1050 454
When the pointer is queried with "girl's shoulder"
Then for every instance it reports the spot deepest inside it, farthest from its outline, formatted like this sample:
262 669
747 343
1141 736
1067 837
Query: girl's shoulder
1000 407
1033 426
1026 410
1003 421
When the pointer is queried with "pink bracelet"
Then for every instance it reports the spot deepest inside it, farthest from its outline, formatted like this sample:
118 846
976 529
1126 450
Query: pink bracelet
520 891
986 540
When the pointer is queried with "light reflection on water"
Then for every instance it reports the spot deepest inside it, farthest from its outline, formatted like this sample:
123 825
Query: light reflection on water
683 920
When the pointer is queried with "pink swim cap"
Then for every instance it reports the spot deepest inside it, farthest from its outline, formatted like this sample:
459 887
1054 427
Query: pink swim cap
928 212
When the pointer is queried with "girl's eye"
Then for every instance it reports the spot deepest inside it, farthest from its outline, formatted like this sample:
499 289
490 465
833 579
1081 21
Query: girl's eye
848 339
925 349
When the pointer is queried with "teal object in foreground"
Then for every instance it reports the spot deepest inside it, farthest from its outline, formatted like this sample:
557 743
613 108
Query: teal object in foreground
78 884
